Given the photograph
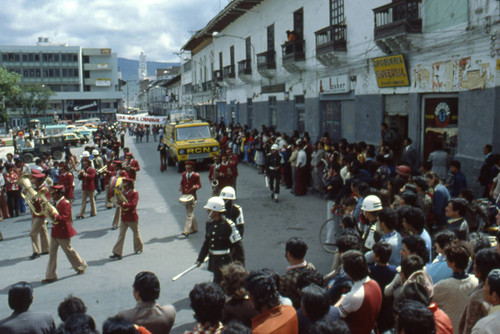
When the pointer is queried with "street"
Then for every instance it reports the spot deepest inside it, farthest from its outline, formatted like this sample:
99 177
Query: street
106 286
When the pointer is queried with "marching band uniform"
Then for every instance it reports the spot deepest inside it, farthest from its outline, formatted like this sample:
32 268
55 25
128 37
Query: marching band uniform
121 173
129 218
233 163
221 173
106 180
66 179
88 189
38 226
62 232
274 163
132 166
190 183
219 239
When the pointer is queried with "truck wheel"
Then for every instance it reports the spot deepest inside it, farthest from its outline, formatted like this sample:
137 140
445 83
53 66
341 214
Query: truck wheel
28 158
57 155
179 166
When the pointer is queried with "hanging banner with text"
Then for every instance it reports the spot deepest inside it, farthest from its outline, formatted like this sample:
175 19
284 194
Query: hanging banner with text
142 119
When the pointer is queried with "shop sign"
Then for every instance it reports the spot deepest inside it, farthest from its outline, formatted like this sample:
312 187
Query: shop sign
103 82
335 85
85 106
498 64
102 66
391 71
105 51
278 88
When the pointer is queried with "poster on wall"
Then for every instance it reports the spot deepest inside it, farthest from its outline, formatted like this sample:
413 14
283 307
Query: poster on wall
440 125
391 71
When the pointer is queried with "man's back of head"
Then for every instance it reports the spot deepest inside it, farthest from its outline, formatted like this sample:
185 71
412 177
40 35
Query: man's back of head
69 306
20 297
262 290
296 247
147 286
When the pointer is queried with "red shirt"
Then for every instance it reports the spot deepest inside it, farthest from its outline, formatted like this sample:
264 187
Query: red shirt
222 175
133 173
66 180
88 180
63 229
281 319
129 209
443 322
186 185
11 181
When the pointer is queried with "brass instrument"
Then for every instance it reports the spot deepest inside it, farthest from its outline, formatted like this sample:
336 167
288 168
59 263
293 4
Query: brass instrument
126 164
103 170
30 195
215 182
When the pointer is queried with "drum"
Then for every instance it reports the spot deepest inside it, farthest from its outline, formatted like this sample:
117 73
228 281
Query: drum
115 186
186 199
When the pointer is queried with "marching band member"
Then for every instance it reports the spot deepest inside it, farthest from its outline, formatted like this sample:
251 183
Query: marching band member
233 163
87 175
66 179
234 213
129 218
274 162
62 232
38 227
131 165
117 171
219 237
190 183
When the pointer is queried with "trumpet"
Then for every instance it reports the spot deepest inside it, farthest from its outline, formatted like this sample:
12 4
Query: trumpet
30 195
102 170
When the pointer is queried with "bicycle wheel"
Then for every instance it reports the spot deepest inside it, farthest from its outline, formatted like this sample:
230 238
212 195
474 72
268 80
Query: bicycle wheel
327 236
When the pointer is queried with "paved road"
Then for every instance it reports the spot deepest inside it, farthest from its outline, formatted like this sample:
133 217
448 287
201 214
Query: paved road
106 285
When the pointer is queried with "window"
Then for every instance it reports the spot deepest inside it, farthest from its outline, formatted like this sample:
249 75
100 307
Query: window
86 59
56 57
38 73
86 88
248 48
249 113
298 23
25 57
272 111
65 72
5 57
270 37
36 56
64 57
301 113
336 12
231 54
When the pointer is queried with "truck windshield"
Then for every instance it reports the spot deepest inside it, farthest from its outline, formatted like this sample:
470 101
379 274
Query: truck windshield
194 132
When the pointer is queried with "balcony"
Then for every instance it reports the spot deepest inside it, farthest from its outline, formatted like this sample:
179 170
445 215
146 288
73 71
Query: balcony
217 76
330 42
266 63
394 24
293 55
245 70
229 74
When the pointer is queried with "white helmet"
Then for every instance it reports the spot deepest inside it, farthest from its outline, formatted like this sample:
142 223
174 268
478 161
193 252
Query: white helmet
215 204
274 147
228 193
85 154
95 152
371 203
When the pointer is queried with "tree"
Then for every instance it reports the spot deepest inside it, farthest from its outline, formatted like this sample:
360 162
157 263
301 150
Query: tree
9 87
32 99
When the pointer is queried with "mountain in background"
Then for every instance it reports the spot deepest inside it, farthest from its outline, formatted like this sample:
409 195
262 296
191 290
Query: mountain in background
129 67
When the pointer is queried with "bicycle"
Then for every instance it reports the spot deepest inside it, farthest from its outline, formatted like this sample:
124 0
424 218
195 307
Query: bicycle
327 235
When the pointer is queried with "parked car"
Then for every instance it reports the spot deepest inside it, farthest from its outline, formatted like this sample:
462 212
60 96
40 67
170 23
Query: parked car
84 131
71 139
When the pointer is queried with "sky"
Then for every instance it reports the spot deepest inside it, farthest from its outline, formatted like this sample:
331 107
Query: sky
157 27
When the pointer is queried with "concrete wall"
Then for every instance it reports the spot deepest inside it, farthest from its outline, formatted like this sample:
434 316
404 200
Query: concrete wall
441 14
368 117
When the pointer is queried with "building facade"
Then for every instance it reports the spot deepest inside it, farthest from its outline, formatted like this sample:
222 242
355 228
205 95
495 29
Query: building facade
430 69
85 80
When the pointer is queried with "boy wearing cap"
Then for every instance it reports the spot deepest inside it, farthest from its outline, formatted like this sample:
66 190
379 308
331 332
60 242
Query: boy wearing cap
190 183
62 232
87 175
38 227
129 219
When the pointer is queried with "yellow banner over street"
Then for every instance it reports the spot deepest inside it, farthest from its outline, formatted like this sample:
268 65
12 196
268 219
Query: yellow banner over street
391 71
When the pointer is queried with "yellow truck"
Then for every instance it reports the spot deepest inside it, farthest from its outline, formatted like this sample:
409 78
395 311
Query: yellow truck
189 140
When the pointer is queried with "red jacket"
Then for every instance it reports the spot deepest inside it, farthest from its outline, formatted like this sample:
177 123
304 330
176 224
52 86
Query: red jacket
186 184
88 180
133 173
36 202
107 176
223 175
63 229
129 209
121 173
66 180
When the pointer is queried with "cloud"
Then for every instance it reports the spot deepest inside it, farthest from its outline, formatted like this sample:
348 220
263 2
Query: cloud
158 27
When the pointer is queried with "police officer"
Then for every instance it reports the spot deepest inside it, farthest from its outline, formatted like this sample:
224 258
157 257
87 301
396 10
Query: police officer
219 237
371 231
274 163
234 213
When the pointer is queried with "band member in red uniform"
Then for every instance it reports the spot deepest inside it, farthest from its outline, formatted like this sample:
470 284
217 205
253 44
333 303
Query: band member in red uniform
117 171
190 183
220 172
131 165
106 179
87 175
38 227
66 179
129 219
62 232
233 161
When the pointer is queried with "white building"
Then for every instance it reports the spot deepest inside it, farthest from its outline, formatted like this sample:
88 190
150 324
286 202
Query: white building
428 68
85 80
